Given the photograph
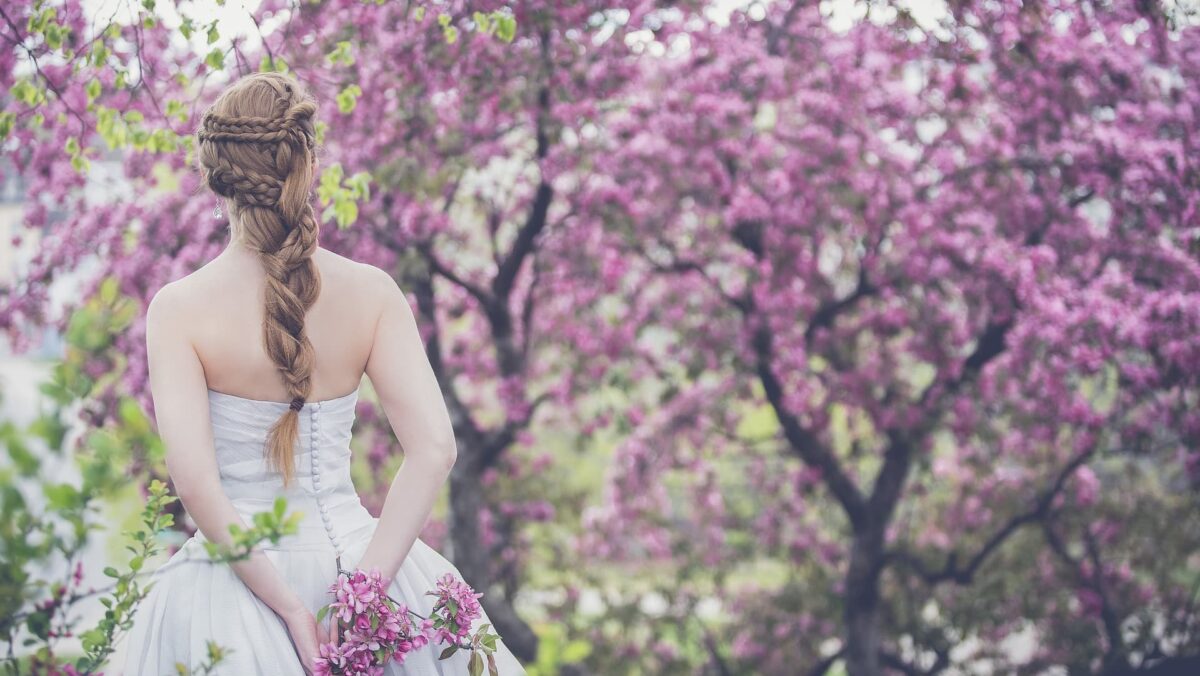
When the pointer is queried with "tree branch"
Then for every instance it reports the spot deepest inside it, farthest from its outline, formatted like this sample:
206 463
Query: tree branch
963 575
803 441
496 441
435 264
426 306
828 312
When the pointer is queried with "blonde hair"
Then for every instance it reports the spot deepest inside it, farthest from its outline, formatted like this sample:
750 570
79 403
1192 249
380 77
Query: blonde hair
257 147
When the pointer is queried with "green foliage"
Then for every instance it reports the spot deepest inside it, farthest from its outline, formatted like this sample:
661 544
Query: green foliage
448 30
26 92
34 542
216 654
273 64
556 650
347 99
121 130
43 23
498 23
215 59
127 592
340 197
7 119
341 54
269 525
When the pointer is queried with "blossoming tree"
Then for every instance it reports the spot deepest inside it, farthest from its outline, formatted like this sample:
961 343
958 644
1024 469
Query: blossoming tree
951 274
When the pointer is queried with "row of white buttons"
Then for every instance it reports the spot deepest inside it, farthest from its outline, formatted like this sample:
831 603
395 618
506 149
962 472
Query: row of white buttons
316 478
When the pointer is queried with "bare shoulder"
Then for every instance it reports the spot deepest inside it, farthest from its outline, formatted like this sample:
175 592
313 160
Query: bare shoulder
378 283
170 300
374 290
363 277
184 295
170 310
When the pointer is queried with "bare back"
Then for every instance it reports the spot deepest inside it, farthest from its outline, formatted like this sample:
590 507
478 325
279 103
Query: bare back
205 331
226 299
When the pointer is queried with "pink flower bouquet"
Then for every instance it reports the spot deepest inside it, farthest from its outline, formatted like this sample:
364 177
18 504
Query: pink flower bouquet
376 629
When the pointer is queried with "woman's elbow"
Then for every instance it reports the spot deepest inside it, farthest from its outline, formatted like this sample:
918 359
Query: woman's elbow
448 455
437 451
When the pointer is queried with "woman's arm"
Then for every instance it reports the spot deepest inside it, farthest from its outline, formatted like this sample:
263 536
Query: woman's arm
180 394
408 390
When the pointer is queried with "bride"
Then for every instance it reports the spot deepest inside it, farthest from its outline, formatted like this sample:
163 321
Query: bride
255 361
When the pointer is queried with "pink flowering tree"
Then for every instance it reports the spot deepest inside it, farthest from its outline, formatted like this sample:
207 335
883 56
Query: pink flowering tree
930 297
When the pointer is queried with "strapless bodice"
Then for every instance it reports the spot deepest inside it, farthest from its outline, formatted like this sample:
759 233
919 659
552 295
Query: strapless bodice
321 486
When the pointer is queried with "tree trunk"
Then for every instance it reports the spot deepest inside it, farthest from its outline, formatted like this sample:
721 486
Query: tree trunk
472 559
861 615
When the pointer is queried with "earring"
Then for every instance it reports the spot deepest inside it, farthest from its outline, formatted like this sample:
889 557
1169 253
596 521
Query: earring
217 210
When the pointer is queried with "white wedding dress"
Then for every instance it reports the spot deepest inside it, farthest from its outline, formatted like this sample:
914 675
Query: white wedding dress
194 600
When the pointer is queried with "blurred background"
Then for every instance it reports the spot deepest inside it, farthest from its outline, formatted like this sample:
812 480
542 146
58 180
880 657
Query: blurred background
830 337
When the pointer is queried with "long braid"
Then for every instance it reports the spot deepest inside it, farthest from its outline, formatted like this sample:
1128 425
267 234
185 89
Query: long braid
256 147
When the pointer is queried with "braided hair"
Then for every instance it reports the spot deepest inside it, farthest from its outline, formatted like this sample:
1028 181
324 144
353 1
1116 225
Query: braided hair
257 148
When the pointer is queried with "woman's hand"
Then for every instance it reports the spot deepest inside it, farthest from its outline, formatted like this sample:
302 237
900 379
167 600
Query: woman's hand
302 626
330 632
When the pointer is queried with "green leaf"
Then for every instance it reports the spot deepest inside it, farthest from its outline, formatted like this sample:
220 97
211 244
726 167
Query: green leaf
346 212
448 652
482 21
54 36
26 461
99 54
24 92
347 99
506 27
215 59
341 54
62 496
475 665
272 64
7 119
